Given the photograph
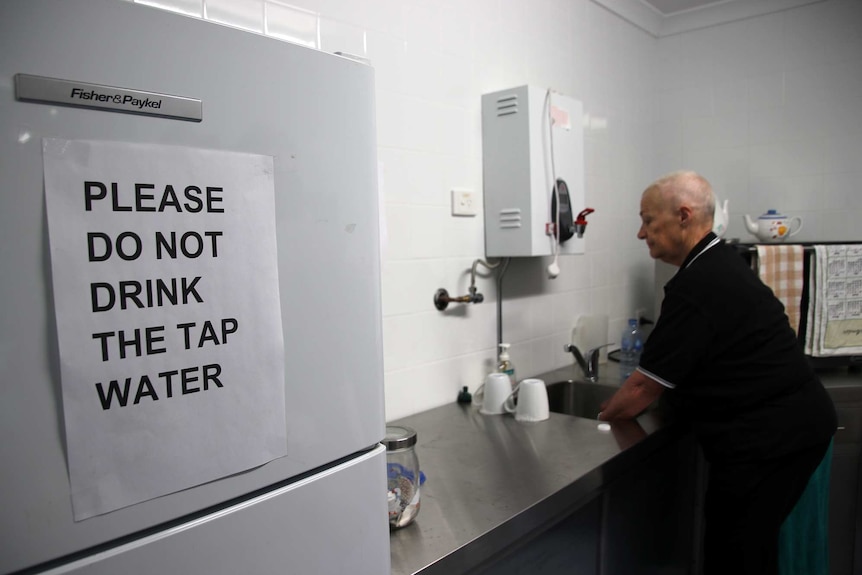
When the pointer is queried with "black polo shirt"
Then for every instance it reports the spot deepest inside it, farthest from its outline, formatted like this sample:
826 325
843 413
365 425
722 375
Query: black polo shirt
724 347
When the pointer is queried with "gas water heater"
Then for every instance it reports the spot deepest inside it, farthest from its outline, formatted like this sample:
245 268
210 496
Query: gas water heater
533 171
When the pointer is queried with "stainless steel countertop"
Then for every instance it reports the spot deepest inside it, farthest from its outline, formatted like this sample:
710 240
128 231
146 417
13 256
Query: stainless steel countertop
492 480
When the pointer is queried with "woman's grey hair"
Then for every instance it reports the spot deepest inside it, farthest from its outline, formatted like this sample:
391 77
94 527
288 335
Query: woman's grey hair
689 188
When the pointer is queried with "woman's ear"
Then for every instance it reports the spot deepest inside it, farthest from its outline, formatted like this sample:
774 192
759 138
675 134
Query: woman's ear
685 215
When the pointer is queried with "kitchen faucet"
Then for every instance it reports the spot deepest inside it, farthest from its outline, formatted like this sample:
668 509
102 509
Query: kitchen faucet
590 365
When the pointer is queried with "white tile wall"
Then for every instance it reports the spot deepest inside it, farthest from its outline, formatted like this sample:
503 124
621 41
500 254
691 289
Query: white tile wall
802 72
768 108
188 7
293 24
248 15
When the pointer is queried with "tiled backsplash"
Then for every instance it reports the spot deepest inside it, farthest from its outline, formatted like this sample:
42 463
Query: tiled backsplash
768 108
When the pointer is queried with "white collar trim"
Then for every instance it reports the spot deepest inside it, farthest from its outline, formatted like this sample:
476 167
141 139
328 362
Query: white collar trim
709 245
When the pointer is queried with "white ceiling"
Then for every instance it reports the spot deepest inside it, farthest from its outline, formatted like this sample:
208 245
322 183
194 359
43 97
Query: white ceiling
668 17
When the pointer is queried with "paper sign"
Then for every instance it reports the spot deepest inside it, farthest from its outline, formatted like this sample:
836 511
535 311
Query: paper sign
164 269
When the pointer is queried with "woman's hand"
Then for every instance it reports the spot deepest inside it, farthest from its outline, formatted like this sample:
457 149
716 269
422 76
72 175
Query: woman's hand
635 395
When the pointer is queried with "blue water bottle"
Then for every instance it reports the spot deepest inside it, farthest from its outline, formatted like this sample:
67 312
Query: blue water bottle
631 346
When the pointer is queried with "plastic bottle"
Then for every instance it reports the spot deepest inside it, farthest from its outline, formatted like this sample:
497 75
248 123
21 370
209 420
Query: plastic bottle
631 346
505 365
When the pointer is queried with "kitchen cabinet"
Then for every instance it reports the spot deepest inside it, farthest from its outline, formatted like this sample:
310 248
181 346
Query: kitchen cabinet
845 497
647 521
571 546
652 519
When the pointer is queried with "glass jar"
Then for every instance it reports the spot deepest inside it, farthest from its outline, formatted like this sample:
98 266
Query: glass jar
402 475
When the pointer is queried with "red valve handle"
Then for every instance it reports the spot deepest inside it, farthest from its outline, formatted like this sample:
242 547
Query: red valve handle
582 217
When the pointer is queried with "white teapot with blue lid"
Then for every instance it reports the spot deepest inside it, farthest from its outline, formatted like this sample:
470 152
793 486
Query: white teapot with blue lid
773 227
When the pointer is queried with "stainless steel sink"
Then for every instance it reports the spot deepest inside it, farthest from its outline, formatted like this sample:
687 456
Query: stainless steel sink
579 398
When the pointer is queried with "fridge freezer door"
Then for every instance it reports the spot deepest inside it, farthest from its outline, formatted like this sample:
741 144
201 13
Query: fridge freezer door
314 114
326 523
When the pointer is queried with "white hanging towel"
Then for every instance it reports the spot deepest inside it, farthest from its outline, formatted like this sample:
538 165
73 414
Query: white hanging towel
837 301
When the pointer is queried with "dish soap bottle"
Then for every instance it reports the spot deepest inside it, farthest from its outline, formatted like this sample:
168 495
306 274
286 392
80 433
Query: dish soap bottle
505 365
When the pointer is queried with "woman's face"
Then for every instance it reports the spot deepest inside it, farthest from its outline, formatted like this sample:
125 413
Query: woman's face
661 228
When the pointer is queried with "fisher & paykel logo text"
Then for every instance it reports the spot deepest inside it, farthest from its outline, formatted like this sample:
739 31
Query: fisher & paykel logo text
122 99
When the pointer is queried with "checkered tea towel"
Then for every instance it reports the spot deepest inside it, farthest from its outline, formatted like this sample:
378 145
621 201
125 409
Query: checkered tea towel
780 267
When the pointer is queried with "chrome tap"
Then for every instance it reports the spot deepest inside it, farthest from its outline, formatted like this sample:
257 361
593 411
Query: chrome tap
590 365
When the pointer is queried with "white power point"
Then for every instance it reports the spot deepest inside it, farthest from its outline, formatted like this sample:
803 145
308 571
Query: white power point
463 203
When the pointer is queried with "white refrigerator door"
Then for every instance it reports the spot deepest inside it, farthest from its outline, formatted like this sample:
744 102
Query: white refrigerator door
329 531
314 113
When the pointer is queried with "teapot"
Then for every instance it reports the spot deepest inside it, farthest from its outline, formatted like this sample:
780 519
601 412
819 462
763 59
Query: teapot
773 227
720 219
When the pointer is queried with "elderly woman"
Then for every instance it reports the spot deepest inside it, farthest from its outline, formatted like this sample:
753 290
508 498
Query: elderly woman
731 365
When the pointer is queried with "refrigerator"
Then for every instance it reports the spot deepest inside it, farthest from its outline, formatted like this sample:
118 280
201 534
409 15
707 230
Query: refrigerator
295 482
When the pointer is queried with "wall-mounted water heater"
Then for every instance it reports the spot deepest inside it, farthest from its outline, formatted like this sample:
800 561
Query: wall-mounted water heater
533 171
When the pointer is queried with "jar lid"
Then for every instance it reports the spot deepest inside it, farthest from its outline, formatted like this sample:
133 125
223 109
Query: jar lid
399 437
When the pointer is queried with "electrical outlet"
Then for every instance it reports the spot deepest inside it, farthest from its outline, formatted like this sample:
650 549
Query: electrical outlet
463 203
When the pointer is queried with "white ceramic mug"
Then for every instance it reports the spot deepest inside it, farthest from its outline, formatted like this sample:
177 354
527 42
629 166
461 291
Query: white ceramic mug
497 388
532 401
